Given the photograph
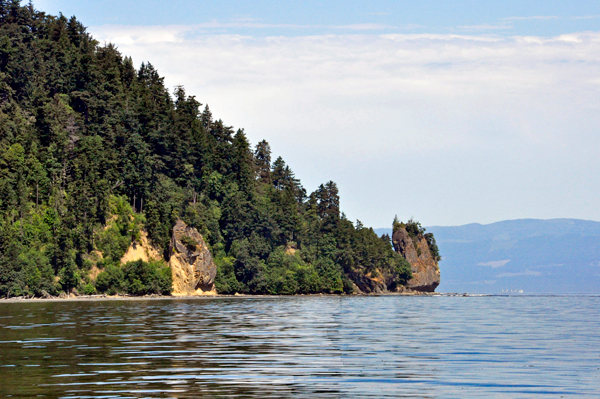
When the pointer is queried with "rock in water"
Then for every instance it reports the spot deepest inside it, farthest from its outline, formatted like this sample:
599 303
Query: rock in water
425 269
191 262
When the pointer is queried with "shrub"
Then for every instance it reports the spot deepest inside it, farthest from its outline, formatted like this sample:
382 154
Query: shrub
280 276
69 276
330 276
112 243
308 279
225 280
414 229
289 274
142 278
435 251
136 278
110 280
403 270
89 289
189 242
36 272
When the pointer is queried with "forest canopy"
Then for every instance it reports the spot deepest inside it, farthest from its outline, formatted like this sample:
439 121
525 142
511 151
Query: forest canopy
94 150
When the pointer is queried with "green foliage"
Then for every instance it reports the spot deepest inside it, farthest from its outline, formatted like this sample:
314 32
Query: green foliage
111 280
142 278
414 229
69 276
435 251
88 289
112 243
122 228
189 242
37 273
288 274
135 278
403 270
93 150
225 280
396 224
331 277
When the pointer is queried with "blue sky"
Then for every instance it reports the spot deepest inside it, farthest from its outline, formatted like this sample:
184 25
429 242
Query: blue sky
449 112
542 18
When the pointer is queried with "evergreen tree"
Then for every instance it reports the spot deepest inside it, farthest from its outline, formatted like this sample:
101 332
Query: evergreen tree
262 159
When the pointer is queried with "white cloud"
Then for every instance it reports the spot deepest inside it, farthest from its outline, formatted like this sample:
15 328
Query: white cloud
534 17
527 272
143 34
365 26
586 17
549 17
476 111
481 282
485 27
495 264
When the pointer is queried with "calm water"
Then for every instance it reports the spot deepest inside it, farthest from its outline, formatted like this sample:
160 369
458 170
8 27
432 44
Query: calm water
313 347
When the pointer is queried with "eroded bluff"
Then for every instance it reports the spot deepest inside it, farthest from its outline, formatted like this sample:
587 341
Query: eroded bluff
425 269
191 262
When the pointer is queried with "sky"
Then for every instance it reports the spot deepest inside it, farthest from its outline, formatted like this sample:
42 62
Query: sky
451 112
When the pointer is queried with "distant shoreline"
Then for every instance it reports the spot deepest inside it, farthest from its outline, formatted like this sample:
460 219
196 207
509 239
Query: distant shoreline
102 298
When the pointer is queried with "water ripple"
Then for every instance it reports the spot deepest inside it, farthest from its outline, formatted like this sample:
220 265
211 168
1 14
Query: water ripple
326 347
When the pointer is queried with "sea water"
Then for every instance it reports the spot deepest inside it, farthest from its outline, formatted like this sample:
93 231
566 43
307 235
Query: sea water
304 347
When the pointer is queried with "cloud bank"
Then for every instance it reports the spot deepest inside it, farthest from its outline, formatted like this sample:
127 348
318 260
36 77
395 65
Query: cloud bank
459 127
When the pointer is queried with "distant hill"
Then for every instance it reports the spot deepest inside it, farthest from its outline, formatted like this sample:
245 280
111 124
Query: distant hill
536 256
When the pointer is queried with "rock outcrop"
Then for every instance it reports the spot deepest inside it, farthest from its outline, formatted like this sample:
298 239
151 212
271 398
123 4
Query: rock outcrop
367 284
425 269
191 262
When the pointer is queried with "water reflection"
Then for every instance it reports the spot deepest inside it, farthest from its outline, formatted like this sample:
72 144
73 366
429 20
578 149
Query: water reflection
424 347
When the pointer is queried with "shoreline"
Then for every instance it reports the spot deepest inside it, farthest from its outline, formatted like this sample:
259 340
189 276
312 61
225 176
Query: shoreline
102 298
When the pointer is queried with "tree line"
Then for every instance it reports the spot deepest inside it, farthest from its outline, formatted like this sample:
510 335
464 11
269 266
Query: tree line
93 150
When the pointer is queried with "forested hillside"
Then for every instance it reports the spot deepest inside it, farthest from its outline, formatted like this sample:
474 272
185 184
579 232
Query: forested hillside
94 150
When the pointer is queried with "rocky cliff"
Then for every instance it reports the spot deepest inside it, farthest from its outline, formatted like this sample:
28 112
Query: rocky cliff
191 262
425 269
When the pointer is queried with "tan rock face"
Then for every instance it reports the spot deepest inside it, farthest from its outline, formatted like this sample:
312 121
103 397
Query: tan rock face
141 250
191 262
425 269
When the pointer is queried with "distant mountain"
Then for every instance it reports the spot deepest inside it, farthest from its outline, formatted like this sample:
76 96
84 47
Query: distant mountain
536 256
